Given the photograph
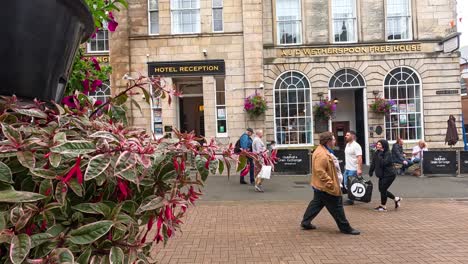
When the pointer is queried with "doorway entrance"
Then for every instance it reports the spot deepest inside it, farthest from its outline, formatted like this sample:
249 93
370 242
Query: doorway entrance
190 106
349 116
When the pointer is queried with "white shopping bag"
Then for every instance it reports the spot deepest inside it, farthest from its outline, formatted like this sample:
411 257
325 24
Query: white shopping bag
265 173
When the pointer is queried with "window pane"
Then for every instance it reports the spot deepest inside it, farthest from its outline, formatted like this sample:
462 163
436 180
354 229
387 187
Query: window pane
292 109
154 20
344 16
218 19
185 16
398 19
288 15
406 118
217 3
153 4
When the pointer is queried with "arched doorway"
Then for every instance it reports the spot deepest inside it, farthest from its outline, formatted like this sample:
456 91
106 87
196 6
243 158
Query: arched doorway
347 87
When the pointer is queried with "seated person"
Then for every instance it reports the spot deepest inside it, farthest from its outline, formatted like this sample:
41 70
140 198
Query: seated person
418 151
399 156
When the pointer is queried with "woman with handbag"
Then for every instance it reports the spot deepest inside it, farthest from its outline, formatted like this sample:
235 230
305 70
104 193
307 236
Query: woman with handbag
382 164
259 147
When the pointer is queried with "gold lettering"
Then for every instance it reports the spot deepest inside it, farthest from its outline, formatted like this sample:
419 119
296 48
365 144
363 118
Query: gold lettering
297 52
283 53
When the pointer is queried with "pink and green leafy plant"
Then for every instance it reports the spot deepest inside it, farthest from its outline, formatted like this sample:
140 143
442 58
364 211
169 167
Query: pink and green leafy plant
381 105
78 186
255 105
324 110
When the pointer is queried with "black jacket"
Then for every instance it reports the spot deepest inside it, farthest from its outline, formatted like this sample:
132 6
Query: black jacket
382 164
397 153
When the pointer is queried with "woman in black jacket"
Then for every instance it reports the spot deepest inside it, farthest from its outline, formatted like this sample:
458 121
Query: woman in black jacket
382 164
399 156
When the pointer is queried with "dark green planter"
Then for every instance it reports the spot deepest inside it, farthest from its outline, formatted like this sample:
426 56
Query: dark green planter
39 42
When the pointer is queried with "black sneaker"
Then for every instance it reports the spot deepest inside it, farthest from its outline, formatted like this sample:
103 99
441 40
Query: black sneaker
349 202
380 209
352 231
308 226
243 182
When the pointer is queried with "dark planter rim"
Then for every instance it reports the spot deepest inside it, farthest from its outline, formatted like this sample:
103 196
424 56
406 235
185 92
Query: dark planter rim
81 9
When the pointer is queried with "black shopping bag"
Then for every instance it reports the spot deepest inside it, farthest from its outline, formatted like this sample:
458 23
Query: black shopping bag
359 189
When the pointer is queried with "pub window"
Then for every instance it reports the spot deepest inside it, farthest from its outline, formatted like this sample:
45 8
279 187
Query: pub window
402 85
462 86
398 20
221 114
185 16
288 19
100 43
102 93
344 20
218 16
293 115
153 11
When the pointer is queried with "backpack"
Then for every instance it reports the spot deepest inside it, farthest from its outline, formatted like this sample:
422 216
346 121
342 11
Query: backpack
237 147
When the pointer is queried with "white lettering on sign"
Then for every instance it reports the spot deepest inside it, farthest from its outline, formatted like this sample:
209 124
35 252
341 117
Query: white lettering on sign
290 159
440 162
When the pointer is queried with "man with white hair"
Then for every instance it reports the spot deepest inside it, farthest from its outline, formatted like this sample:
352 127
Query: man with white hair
258 147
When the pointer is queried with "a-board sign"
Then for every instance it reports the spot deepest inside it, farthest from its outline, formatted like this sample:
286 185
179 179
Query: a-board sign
464 162
440 162
293 161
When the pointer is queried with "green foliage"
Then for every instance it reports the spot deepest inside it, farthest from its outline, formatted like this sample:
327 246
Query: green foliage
77 185
255 105
324 110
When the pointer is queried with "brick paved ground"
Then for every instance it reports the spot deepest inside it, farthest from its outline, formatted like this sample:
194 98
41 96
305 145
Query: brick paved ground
422 231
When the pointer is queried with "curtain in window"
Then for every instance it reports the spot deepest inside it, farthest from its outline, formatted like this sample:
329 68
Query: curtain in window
288 17
344 20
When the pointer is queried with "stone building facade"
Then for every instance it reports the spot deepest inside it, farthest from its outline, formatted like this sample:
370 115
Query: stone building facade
297 53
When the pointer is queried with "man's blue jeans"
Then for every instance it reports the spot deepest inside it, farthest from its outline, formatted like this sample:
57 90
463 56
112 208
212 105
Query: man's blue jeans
346 174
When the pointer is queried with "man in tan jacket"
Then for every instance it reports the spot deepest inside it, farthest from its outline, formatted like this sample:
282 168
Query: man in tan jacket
326 185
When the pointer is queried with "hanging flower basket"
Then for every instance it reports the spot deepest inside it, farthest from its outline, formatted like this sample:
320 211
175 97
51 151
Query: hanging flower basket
382 106
324 110
255 105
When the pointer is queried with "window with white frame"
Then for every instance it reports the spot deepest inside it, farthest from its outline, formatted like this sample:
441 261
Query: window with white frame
344 20
153 14
398 20
403 87
221 115
293 115
288 19
185 16
102 93
100 43
218 16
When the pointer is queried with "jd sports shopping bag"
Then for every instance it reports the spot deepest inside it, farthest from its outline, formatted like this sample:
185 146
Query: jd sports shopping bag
359 189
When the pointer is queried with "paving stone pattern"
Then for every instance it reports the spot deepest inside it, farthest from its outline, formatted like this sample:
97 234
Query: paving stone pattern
422 231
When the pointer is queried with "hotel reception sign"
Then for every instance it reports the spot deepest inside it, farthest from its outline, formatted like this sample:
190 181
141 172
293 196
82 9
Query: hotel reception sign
353 50
187 68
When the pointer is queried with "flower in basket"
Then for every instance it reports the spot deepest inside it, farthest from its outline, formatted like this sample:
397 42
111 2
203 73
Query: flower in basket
324 110
255 105
382 106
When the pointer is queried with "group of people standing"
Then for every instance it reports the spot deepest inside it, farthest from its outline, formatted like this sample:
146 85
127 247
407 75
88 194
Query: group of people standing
328 183
255 145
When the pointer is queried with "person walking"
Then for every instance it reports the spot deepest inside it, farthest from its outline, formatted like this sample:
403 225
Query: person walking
399 156
326 185
246 144
353 160
258 147
382 165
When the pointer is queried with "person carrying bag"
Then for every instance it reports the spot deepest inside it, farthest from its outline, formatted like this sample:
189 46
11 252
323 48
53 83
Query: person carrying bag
382 165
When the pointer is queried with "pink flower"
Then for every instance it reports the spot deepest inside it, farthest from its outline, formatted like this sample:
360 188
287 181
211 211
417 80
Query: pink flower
95 84
85 84
112 24
96 64
98 103
69 101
